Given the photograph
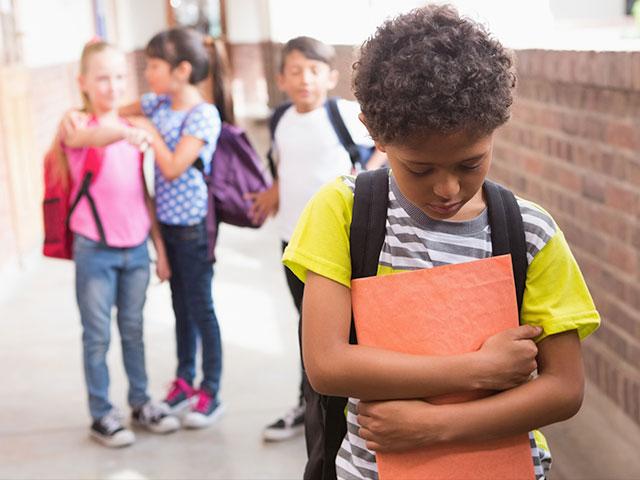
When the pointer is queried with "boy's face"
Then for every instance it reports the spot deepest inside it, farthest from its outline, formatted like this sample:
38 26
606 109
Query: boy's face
442 174
306 82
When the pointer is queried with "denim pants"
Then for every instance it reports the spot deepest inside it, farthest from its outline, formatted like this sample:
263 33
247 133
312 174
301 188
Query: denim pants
191 277
106 277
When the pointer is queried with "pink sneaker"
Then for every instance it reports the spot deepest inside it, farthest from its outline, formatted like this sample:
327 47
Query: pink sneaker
205 412
179 396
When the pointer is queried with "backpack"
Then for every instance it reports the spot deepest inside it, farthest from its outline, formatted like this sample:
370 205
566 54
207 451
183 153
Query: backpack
236 170
358 154
325 415
57 205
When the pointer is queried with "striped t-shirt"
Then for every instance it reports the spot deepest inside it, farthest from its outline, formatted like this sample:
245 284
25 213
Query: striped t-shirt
414 241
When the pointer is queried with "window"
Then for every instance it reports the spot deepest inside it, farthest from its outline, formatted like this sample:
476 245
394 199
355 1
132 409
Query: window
10 48
203 15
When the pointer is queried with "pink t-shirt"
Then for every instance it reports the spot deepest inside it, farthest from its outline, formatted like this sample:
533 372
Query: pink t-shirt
118 193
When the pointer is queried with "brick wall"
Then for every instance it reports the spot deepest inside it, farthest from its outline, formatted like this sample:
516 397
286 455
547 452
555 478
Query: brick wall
572 146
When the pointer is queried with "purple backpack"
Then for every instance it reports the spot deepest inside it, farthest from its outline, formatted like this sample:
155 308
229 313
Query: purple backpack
236 170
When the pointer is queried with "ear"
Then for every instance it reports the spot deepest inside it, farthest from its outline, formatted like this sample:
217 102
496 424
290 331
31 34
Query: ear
363 119
280 82
184 70
82 83
334 75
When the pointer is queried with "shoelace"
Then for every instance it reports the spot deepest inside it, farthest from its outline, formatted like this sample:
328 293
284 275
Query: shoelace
112 421
177 387
153 412
204 401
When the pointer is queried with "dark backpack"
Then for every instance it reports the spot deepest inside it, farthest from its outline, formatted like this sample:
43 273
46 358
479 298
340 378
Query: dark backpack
325 416
358 154
58 206
236 169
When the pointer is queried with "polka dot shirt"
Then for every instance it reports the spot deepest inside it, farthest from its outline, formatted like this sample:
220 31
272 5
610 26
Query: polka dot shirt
182 201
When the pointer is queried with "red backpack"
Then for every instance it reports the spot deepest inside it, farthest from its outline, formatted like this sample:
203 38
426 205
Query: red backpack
58 206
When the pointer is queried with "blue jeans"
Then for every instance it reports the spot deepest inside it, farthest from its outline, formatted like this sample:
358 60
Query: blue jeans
106 277
191 277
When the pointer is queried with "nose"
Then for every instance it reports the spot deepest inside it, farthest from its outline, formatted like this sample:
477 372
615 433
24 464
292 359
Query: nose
447 187
307 75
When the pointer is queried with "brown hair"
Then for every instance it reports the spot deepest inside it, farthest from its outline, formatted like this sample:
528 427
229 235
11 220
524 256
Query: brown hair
207 56
309 47
221 78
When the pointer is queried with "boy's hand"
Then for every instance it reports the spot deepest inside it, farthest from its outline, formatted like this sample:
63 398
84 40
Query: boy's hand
395 426
509 358
71 121
163 270
264 203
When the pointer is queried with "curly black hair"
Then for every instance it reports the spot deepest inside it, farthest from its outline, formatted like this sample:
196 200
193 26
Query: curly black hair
432 71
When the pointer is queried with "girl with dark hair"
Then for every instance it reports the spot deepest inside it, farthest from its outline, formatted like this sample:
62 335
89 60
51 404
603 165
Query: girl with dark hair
185 131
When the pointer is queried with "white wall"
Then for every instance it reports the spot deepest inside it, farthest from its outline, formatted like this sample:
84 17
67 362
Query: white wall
587 9
248 21
54 31
138 20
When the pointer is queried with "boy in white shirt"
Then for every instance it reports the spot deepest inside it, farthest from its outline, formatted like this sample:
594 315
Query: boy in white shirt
308 154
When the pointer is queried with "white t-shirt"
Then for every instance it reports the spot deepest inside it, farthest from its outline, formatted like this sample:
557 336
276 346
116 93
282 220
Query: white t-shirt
309 154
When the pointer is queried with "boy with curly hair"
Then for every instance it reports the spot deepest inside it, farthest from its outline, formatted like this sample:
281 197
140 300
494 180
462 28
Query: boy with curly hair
433 88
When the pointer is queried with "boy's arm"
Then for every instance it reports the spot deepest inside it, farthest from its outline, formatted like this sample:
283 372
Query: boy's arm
130 110
555 395
336 368
264 203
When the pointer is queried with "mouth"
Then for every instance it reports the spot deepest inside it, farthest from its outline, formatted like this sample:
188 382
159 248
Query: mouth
445 208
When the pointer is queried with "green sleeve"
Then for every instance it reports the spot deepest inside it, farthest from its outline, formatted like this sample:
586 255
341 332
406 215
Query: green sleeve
320 242
556 296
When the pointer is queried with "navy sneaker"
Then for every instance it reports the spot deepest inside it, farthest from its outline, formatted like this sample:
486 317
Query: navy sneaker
206 410
110 432
179 397
155 418
289 426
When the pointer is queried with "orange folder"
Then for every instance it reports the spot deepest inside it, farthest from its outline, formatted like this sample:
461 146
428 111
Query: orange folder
445 310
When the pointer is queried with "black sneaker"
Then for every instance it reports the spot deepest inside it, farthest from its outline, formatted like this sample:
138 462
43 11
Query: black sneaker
110 432
290 425
155 418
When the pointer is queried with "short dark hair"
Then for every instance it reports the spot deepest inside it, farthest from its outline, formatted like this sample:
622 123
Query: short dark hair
309 47
432 71
181 45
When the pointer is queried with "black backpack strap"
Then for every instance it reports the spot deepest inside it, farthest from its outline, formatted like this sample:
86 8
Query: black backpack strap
273 124
342 131
507 232
84 192
368 225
